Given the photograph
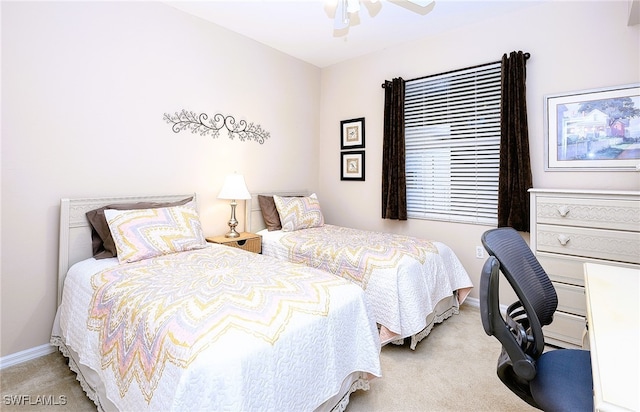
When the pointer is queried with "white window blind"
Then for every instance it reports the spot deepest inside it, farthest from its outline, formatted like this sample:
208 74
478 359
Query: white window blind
452 131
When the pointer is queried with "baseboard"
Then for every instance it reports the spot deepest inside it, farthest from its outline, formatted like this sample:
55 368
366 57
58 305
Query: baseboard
475 302
26 355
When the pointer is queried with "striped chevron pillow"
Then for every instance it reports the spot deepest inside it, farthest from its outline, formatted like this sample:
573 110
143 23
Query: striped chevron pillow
146 233
299 212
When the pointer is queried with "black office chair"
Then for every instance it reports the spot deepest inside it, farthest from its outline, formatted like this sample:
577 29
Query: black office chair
556 380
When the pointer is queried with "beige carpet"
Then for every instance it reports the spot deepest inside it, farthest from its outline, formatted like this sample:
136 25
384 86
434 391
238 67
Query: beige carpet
453 369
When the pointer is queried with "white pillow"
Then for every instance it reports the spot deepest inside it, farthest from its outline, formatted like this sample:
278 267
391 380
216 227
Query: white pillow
299 212
146 233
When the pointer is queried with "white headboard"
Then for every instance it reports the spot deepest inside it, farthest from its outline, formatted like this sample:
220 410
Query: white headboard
75 231
253 214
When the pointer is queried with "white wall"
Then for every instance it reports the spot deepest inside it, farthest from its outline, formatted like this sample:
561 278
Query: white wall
85 86
573 45
84 89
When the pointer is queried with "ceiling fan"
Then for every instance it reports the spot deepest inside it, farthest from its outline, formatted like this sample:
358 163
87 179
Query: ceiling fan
345 10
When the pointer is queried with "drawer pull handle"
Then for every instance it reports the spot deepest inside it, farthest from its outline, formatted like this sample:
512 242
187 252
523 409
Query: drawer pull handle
563 210
563 239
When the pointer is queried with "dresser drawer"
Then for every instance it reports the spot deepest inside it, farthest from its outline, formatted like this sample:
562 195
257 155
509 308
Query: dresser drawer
591 243
565 328
565 269
569 269
571 299
613 214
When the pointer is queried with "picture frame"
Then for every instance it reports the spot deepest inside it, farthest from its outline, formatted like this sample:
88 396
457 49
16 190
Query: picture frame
352 165
597 129
352 134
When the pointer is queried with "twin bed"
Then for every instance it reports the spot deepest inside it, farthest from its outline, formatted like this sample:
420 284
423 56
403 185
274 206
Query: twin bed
410 283
175 323
152 317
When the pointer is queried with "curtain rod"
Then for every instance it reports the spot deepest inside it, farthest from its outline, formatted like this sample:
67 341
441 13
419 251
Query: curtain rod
527 55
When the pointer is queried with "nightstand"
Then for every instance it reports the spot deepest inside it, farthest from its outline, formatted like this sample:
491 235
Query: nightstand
246 241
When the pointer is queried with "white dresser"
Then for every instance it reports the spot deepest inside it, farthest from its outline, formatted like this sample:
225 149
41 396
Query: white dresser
571 227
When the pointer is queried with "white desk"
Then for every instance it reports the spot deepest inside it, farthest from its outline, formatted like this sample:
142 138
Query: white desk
613 316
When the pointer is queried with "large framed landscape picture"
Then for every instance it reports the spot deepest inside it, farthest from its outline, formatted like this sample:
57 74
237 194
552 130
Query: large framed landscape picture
595 129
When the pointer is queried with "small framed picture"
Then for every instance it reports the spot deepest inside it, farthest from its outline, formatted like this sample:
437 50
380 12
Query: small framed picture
593 129
352 165
352 134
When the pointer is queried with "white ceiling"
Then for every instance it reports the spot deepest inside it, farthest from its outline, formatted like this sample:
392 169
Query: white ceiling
305 28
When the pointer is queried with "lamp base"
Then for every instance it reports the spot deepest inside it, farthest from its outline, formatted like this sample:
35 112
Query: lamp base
232 233
233 222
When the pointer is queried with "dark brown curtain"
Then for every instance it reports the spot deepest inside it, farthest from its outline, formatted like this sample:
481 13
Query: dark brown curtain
515 165
394 184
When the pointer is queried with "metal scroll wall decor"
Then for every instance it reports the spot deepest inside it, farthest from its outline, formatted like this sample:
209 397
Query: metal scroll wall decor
201 124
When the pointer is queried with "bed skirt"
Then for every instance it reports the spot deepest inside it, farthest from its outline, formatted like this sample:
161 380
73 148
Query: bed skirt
95 390
444 309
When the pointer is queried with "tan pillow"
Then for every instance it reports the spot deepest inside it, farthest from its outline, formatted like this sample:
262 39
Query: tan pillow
101 240
269 212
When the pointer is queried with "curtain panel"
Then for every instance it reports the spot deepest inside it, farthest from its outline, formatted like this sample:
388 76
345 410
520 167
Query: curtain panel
515 164
394 186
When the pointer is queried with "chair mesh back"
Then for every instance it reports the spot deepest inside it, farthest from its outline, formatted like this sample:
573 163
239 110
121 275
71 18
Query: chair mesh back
523 271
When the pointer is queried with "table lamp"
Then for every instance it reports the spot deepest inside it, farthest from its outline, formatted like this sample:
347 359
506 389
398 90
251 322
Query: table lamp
234 188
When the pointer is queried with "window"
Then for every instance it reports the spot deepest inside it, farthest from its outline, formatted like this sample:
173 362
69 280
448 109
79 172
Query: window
452 132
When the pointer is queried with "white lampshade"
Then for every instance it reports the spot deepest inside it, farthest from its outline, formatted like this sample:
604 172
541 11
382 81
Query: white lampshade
234 188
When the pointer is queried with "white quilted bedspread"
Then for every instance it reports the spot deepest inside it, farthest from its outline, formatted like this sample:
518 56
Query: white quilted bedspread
404 277
217 329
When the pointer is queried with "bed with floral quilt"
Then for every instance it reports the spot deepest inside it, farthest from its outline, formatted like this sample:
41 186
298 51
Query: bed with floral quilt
411 283
172 322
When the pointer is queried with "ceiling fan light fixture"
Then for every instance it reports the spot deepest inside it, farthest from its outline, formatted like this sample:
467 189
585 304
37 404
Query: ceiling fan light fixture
341 19
353 6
